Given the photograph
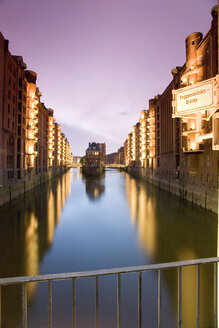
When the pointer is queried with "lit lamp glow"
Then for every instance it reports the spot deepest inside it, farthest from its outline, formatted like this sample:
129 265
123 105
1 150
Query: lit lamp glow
193 145
32 120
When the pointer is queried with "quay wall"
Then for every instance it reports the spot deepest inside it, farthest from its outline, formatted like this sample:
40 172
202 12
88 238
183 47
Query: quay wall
197 194
31 180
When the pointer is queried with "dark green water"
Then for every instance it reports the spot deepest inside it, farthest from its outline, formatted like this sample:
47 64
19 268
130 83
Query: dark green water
77 224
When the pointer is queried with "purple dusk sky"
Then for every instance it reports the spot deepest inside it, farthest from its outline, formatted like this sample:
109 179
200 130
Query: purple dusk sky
100 61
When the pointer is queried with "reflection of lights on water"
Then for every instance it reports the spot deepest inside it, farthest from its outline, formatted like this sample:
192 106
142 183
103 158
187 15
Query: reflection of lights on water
133 199
31 251
96 193
31 232
58 203
189 289
143 215
146 223
51 217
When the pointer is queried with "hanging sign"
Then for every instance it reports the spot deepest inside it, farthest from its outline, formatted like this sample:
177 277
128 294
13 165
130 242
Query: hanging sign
192 99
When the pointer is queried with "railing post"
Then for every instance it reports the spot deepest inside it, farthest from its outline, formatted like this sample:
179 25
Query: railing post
159 298
179 297
215 293
118 301
0 305
198 297
139 298
73 304
97 305
24 305
50 304
23 281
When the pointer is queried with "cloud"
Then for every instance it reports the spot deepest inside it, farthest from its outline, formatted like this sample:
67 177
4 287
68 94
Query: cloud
124 113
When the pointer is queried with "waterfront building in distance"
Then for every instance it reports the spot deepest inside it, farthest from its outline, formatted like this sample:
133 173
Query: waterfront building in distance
31 142
116 158
76 161
95 158
175 144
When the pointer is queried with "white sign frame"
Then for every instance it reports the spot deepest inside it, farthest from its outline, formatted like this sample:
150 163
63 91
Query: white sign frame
195 98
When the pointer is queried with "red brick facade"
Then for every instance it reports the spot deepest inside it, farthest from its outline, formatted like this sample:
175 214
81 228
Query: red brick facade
27 130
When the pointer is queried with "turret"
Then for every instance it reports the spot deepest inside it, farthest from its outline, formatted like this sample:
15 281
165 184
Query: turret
192 42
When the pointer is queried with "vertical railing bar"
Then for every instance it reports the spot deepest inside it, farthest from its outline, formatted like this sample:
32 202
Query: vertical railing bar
0 305
198 297
179 297
73 303
159 298
97 304
50 304
139 298
24 305
215 293
118 301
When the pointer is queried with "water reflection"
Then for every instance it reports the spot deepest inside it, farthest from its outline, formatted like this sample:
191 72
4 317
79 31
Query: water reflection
95 186
133 224
25 236
167 231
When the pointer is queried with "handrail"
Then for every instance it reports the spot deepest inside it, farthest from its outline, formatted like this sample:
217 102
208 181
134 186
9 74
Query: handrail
49 278
105 272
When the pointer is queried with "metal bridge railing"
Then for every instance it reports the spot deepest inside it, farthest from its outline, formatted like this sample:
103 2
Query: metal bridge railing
23 281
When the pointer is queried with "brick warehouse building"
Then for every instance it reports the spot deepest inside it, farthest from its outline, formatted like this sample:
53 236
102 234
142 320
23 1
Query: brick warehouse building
27 128
12 113
180 150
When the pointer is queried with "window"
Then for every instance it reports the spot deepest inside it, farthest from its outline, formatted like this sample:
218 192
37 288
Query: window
20 95
18 165
20 82
19 145
9 109
19 118
19 131
158 162
19 107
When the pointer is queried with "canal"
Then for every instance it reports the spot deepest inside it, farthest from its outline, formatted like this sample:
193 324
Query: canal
74 223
